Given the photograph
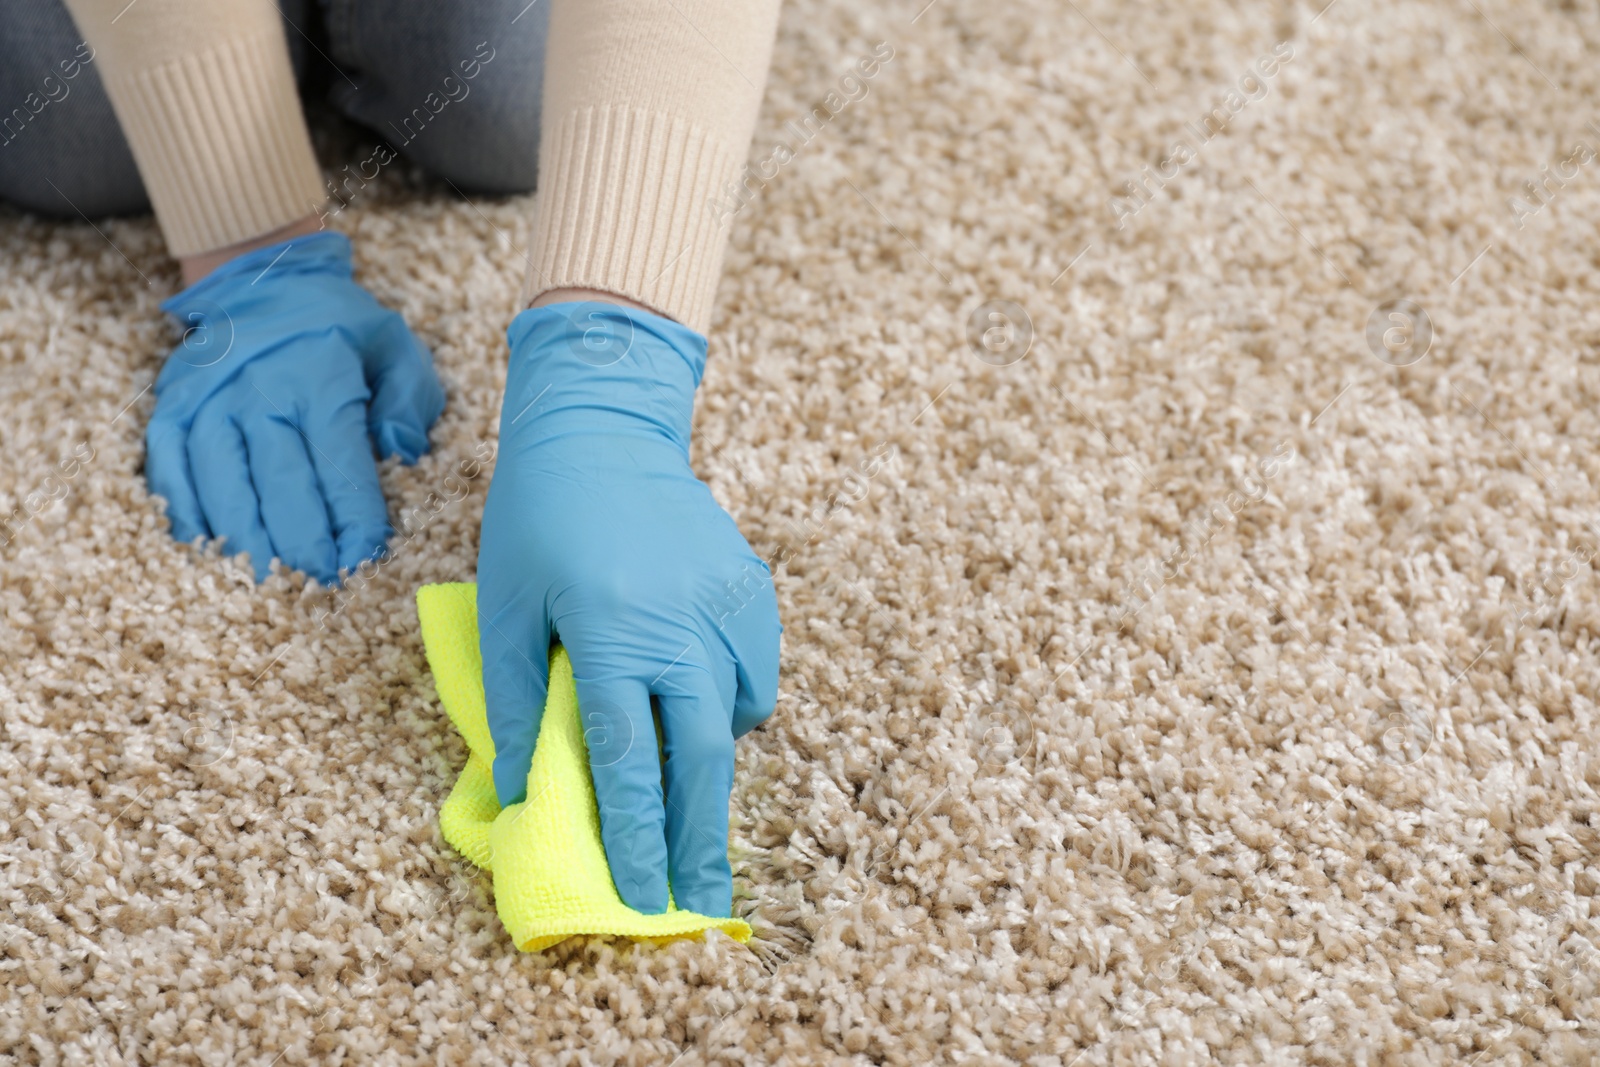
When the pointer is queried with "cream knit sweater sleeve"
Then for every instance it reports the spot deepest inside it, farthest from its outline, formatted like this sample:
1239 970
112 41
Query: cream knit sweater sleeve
206 98
649 106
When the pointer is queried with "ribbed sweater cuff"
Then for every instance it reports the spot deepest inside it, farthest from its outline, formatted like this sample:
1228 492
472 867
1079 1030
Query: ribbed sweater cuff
221 142
628 205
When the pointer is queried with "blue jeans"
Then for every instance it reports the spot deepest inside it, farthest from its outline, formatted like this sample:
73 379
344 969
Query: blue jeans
394 67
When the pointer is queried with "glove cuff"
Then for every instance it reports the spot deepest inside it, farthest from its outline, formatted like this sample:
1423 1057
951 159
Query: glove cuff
588 364
318 253
600 334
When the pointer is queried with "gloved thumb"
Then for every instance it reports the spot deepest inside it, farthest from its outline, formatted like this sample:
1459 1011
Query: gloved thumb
514 640
406 395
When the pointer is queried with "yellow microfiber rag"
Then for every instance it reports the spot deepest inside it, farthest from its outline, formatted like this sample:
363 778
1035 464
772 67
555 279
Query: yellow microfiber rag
551 881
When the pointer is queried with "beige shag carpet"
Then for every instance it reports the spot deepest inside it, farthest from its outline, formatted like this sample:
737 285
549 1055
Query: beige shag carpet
1181 683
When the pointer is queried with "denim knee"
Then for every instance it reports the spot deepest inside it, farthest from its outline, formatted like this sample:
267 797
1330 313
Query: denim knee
453 87
62 152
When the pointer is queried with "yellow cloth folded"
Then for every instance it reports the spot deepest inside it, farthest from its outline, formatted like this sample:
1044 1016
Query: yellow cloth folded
551 881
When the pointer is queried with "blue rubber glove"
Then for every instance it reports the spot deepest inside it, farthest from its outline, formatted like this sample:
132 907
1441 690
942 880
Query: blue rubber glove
597 533
260 431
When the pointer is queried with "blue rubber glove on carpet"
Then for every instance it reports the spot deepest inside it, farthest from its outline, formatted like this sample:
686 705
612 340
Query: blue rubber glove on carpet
263 413
597 530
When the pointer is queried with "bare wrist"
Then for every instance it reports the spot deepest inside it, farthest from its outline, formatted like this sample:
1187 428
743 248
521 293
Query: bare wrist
567 295
199 265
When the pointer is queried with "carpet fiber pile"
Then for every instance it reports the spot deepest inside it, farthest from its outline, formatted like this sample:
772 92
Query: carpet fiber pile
1175 426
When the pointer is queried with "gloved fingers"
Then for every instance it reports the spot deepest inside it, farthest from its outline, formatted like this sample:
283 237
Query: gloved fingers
166 469
220 464
292 508
406 394
620 735
335 429
514 641
751 632
699 777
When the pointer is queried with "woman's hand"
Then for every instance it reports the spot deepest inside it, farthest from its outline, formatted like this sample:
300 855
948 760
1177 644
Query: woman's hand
597 533
267 413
